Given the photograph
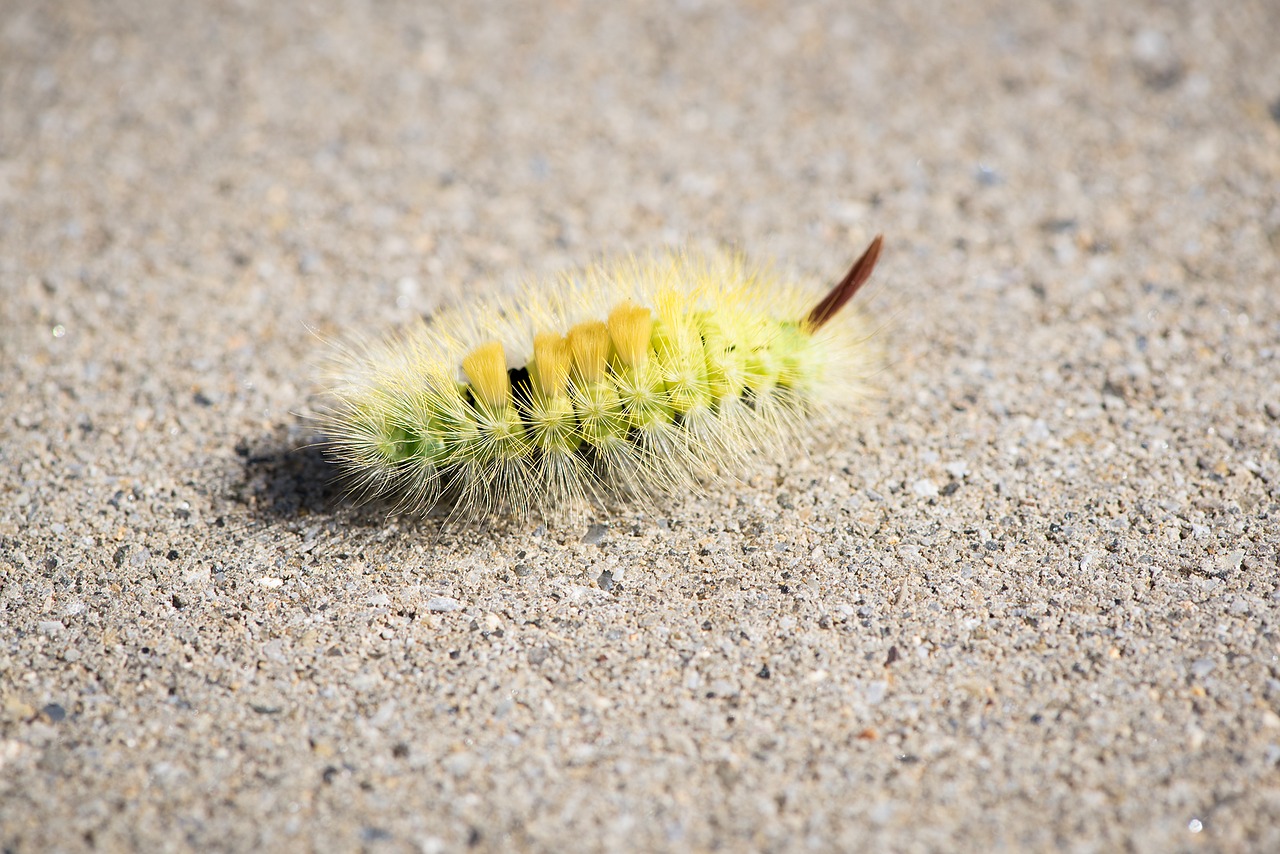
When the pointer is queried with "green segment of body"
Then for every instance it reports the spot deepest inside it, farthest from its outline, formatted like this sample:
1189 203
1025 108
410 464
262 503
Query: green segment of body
689 370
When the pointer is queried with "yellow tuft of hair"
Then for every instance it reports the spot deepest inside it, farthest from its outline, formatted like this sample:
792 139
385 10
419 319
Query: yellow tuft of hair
486 367
589 346
630 329
552 359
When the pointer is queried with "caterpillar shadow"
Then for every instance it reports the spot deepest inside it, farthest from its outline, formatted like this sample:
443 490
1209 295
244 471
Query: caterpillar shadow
285 477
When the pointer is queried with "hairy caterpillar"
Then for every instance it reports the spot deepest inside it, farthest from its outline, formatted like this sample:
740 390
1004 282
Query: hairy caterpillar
627 380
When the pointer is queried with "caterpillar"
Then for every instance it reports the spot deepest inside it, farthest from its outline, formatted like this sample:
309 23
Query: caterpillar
625 381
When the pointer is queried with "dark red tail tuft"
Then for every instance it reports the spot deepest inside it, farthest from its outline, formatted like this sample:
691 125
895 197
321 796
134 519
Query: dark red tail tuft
843 292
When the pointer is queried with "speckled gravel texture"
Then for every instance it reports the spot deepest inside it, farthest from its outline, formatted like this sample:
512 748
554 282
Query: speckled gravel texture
1025 600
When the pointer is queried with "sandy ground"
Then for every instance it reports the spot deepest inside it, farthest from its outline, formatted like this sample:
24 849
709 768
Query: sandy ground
1025 600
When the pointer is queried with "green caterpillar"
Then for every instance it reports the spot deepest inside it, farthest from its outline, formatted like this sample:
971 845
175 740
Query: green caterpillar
627 381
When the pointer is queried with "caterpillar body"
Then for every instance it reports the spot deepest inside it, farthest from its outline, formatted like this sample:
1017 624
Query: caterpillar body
625 381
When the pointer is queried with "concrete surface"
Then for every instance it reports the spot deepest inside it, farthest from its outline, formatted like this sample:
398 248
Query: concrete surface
1026 601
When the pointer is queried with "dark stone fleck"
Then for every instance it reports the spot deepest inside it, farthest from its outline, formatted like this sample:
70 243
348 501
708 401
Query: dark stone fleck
764 673
54 712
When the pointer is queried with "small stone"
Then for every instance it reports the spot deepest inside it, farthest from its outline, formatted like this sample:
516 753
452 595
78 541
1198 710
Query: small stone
54 713
1156 59
1231 561
876 691
273 650
459 763
595 535
925 488
443 604
1202 667
309 262
17 710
